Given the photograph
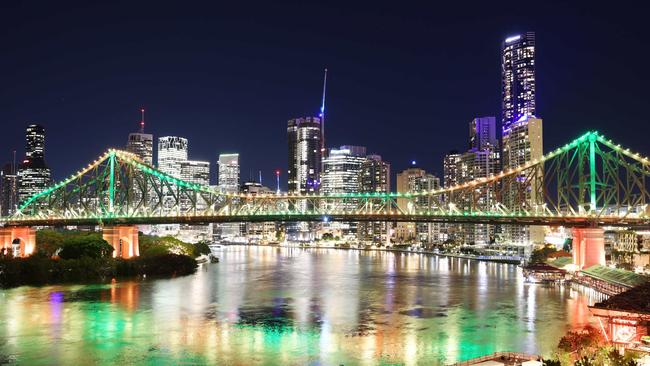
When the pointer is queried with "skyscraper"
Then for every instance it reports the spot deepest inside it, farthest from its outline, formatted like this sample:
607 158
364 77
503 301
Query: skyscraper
375 178
198 172
518 77
483 134
141 144
229 182
521 130
451 175
33 174
304 160
416 180
8 189
342 174
342 170
229 173
375 175
522 143
172 150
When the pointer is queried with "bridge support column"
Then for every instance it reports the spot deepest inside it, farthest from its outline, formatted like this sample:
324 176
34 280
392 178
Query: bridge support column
588 247
19 241
123 239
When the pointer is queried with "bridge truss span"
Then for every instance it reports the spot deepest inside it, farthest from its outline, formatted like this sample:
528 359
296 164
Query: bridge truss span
588 182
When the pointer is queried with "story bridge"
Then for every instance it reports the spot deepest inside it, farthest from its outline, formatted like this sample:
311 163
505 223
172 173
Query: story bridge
586 184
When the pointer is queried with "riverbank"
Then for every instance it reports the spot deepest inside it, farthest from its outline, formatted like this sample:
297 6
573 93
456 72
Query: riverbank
38 270
496 259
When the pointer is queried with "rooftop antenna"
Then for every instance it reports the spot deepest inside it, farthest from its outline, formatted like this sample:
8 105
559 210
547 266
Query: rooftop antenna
142 121
260 172
322 115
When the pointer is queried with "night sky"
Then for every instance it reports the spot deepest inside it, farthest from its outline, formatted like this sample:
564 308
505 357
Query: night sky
404 80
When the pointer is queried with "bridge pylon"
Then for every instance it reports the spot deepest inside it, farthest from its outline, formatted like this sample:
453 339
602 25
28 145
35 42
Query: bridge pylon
588 247
18 241
123 239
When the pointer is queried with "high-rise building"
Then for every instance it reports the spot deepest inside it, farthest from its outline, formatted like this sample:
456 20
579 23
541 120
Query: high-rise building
141 144
451 175
229 183
518 77
198 172
342 174
305 154
8 189
260 232
194 171
413 180
476 164
523 143
375 175
375 178
342 170
304 137
521 130
483 134
172 150
33 174
229 173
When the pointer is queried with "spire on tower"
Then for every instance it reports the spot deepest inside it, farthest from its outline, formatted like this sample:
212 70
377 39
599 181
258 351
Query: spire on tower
142 121
322 116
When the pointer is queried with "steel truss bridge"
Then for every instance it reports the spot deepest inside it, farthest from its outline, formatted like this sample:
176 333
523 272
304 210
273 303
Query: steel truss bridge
589 182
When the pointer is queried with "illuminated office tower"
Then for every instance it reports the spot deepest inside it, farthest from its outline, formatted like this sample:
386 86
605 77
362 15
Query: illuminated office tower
8 189
172 150
518 77
304 160
33 174
451 175
228 180
259 232
342 174
229 173
342 170
521 130
375 178
523 143
195 172
141 144
305 153
413 180
483 134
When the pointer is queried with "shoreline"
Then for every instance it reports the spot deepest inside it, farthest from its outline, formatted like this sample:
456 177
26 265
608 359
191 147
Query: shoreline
451 255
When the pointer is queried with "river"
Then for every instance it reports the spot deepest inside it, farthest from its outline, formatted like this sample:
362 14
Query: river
293 306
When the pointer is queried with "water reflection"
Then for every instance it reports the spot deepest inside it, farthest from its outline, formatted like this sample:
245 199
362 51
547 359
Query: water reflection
264 305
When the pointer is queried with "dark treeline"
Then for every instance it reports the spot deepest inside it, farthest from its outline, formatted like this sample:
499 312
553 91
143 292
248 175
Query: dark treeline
76 256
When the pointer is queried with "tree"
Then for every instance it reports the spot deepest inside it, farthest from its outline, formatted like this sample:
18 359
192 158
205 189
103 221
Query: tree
541 255
90 245
581 341
49 241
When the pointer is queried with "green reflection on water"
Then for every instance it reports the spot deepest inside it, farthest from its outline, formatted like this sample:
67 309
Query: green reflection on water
292 306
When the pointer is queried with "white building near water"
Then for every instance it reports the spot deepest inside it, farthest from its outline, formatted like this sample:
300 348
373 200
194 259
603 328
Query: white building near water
195 172
229 172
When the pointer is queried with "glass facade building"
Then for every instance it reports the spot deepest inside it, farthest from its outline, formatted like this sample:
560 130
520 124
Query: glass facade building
141 144
8 190
518 77
172 150
33 174
304 159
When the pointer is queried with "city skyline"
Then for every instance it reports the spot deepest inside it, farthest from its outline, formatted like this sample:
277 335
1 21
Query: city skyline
210 114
